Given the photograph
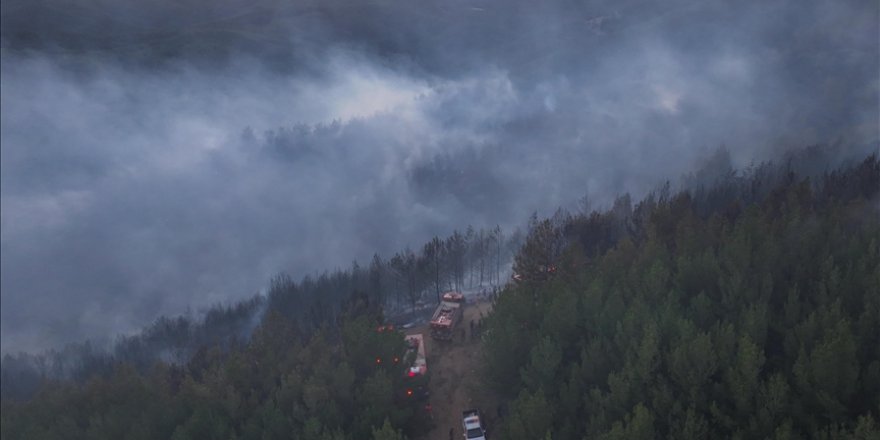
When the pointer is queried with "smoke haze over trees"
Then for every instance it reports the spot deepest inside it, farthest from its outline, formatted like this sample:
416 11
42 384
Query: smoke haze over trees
161 156
395 286
745 307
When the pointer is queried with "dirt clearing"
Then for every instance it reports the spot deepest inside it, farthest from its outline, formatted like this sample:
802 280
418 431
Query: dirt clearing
455 382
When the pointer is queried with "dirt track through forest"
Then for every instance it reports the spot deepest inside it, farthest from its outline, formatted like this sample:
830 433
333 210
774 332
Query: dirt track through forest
455 381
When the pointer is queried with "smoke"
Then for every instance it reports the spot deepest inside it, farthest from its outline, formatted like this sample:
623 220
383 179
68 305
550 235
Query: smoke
159 156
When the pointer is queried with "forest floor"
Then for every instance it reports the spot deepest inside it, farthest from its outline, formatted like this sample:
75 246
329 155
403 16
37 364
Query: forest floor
455 380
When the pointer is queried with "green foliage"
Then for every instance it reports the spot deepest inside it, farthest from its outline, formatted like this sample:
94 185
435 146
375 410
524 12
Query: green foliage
279 386
387 432
685 316
541 371
636 426
530 417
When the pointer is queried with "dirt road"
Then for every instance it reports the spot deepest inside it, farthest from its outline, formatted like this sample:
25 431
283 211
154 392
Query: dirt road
455 383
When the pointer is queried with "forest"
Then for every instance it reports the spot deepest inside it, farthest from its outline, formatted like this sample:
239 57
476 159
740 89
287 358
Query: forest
744 305
274 359
748 309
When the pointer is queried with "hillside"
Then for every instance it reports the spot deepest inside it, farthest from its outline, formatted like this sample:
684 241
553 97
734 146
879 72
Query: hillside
746 310
745 307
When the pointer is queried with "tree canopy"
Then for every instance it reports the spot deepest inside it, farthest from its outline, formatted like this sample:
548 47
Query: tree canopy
749 309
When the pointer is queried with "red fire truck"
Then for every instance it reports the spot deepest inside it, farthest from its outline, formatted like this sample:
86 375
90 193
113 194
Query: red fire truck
447 315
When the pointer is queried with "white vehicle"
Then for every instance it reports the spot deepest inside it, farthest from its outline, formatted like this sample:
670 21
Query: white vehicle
472 425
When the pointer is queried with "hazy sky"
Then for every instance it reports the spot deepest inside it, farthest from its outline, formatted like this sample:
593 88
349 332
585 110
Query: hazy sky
164 155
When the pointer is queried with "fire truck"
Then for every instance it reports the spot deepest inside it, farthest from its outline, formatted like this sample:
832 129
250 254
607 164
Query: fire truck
447 315
416 349
416 379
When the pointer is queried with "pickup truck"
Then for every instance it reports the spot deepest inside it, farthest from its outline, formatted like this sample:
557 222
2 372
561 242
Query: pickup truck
472 425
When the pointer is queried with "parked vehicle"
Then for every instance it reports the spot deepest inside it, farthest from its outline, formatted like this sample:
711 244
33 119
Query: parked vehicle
447 315
472 425
416 349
